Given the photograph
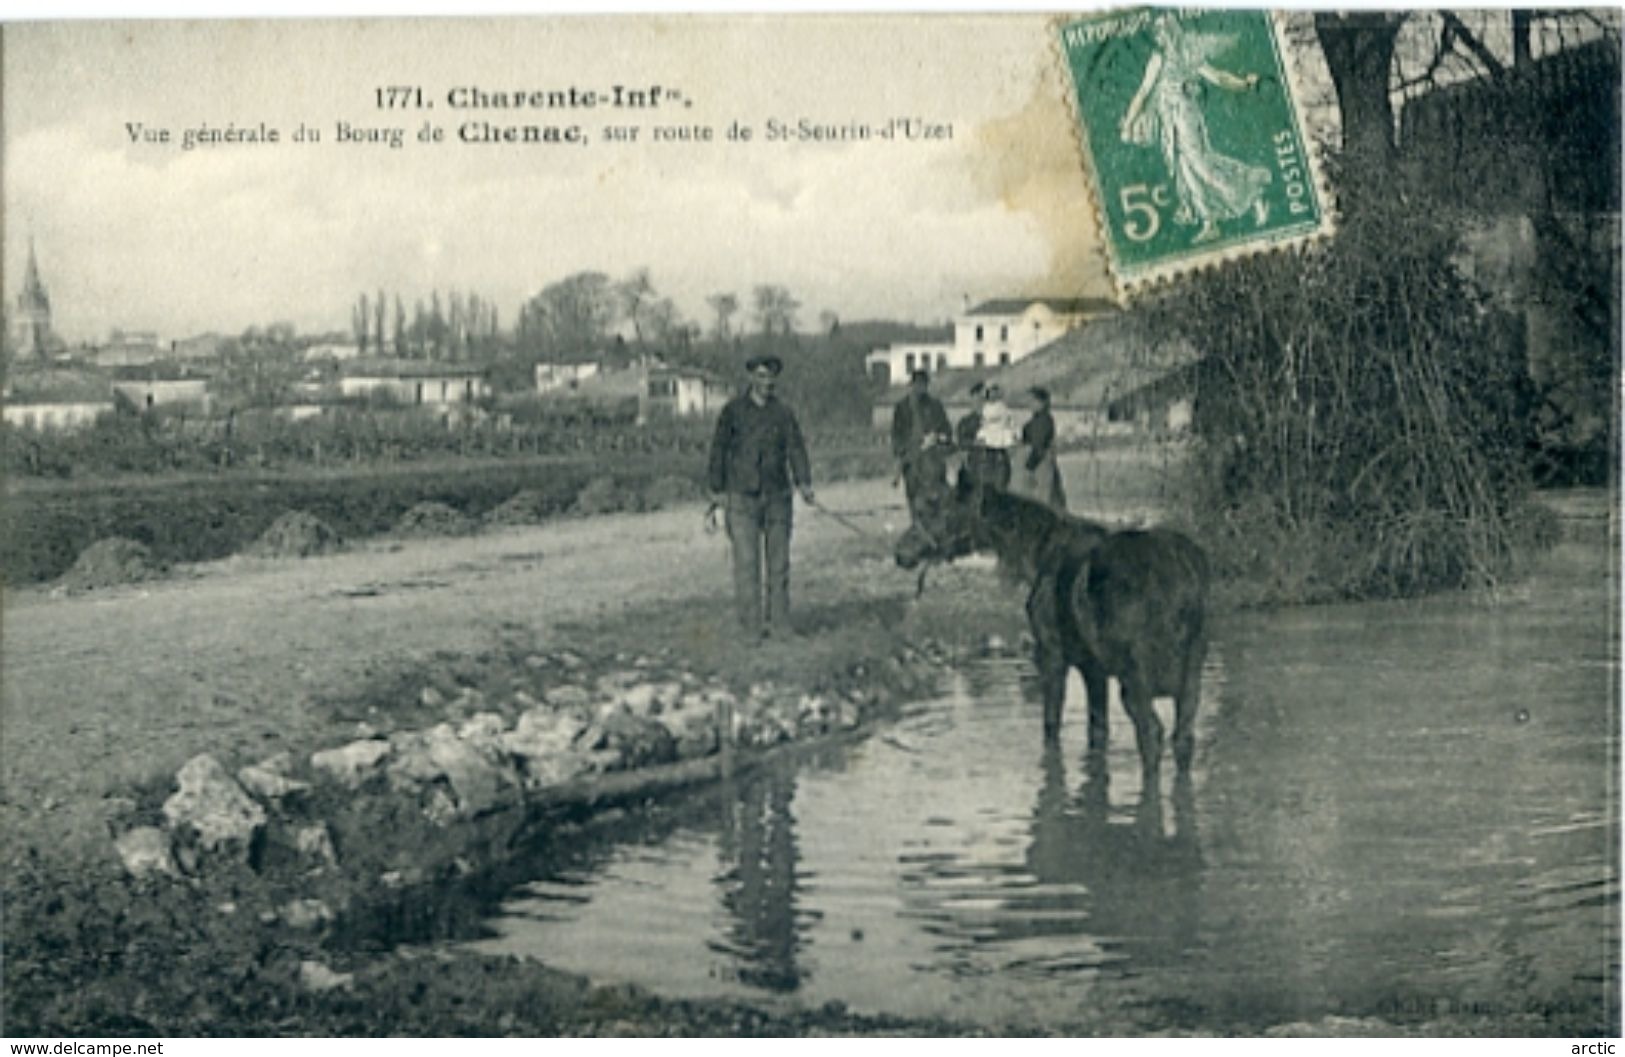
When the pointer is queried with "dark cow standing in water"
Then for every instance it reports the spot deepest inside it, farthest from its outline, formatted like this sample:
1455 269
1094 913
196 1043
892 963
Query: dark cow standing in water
1129 604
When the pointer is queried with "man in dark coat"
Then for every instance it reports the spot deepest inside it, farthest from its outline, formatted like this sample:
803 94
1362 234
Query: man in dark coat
1043 474
920 436
757 455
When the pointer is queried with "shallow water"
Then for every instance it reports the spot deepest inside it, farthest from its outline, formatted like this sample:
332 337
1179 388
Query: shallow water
1398 810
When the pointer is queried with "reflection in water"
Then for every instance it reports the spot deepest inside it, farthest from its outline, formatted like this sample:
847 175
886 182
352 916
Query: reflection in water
1142 885
757 849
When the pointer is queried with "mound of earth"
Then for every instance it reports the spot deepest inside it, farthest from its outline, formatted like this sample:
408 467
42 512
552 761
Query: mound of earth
669 491
433 519
603 495
526 507
110 562
296 534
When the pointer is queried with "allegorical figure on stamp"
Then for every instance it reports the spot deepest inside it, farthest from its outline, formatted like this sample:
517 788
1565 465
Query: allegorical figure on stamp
1210 186
757 455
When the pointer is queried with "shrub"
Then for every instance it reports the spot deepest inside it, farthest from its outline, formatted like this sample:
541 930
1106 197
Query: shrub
1362 415
110 562
433 519
297 534
524 507
602 495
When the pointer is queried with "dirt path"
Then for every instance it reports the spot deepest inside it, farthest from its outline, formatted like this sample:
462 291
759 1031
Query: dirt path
111 688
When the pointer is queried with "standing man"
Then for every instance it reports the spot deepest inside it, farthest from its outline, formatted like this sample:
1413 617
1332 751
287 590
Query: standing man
919 437
757 455
1043 473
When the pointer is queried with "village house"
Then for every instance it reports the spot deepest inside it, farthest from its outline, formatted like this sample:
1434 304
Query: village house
132 348
155 385
648 390
414 383
683 392
54 398
994 333
551 377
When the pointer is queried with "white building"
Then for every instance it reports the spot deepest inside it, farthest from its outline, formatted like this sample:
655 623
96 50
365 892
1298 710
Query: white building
555 376
414 383
992 334
685 392
161 386
48 414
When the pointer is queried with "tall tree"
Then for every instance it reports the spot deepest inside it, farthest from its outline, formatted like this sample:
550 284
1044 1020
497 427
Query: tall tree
632 294
1359 50
380 317
570 319
454 324
775 309
360 319
723 306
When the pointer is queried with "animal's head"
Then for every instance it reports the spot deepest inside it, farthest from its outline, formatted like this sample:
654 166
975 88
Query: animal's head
948 524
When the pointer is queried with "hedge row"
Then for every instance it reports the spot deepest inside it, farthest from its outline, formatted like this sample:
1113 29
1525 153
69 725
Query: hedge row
206 517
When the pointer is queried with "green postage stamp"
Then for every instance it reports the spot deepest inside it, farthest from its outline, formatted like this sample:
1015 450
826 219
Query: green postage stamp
1189 123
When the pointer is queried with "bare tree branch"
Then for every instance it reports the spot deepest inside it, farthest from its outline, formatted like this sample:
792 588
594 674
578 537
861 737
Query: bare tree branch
1495 67
1441 51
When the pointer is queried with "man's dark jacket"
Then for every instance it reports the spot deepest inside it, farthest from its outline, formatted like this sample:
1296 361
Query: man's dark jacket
914 419
758 449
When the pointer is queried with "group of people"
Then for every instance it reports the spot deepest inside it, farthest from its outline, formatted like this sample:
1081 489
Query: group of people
985 437
759 460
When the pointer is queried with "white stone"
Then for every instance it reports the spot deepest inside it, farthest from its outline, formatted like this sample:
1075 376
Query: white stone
212 804
483 732
437 753
351 764
568 696
306 914
145 852
317 978
644 699
269 779
315 844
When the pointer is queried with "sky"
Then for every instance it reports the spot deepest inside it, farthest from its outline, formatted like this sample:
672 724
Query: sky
146 236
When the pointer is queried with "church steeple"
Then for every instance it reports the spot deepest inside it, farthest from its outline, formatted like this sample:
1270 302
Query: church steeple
31 320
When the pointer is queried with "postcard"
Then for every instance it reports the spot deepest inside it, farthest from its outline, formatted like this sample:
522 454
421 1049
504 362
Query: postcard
1072 524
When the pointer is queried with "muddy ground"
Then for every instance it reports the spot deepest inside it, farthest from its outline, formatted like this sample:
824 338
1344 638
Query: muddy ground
118 688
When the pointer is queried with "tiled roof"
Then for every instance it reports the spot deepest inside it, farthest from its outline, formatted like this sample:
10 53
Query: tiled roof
57 386
158 371
1014 306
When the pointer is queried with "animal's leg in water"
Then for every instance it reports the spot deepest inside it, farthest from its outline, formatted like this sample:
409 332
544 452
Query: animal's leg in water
1147 727
1052 669
1094 684
1049 654
1185 705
